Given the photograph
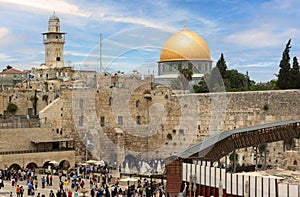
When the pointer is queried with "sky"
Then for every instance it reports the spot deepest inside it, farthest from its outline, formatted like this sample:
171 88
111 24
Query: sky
251 34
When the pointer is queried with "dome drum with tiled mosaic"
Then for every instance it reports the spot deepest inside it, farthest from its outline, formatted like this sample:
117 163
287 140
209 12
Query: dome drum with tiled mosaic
185 49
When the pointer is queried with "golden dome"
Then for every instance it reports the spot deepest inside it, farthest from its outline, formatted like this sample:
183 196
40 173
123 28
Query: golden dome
185 45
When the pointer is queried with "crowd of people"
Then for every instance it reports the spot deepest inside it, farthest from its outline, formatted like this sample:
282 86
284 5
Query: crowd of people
83 182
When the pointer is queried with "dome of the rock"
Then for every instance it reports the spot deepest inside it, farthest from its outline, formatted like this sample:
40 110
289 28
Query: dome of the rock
184 45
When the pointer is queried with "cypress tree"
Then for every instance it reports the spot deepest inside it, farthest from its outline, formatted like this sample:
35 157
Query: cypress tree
221 65
218 75
295 74
283 81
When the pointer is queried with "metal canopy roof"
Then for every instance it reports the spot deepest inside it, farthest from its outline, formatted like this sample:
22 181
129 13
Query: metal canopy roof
216 146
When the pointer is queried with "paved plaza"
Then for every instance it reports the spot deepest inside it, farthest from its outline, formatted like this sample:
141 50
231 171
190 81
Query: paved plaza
9 188
55 186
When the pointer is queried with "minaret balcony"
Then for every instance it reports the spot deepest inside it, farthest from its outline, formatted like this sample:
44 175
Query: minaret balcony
61 40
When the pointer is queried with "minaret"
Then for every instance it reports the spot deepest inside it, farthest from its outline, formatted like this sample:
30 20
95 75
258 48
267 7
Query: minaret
54 41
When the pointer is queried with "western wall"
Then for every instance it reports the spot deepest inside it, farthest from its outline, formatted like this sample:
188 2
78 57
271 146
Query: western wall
131 118
157 123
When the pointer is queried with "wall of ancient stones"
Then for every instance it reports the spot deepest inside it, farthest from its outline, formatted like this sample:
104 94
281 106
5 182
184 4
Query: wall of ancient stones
131 118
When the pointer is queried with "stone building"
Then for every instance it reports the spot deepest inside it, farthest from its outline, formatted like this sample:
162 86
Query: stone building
54 41
185 49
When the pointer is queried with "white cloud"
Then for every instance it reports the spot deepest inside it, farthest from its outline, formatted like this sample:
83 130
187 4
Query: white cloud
254 38
53 5
4 56
3 33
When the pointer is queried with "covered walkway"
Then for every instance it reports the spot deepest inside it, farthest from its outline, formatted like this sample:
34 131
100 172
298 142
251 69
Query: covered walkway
217 146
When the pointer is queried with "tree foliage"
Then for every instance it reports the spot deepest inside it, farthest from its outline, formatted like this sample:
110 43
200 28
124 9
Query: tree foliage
221 66
12 108
222 79
295 75
284 72
185 75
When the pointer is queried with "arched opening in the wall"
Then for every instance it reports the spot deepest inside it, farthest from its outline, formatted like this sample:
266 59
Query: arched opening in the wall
32 166
295 162
14 167
46 164
131 161
64 165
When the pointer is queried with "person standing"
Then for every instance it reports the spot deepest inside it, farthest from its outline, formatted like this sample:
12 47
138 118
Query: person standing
21 191
43 182
47 180
51 194
1 183
18 191
76 193
70 194
51 179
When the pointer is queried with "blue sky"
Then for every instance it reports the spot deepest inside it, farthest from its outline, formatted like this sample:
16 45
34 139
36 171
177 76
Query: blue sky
250 34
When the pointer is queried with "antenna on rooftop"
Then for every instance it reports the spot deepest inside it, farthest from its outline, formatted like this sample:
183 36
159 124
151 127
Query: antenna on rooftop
100 53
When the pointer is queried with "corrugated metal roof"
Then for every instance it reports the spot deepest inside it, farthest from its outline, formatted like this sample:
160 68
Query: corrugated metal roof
211 140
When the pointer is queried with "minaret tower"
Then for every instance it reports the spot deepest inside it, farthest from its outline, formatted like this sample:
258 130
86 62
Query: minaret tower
54 41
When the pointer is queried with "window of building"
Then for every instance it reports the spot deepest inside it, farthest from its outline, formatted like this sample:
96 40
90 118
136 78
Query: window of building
138 120
102 121
120 120
58 59
110 101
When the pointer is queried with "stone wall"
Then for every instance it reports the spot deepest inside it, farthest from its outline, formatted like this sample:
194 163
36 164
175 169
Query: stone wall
109 117
21 138
24 100
134 119
38 158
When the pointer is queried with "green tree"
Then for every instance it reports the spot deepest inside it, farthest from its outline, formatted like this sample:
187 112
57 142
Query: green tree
221 65
186 75
235 80
201 87
295 75
218 75
12 108
283 81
